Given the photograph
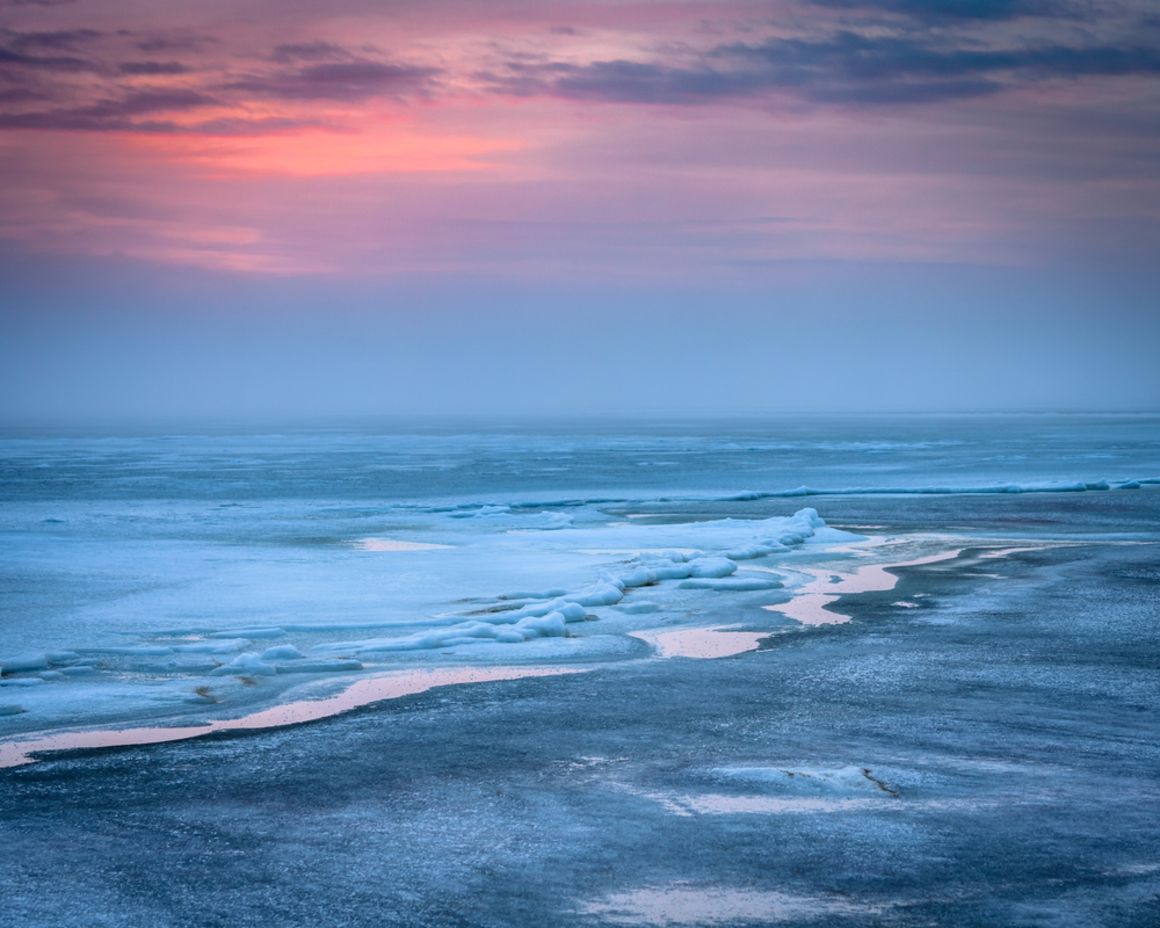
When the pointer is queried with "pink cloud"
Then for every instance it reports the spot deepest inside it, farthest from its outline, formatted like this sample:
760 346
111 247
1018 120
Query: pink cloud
621 139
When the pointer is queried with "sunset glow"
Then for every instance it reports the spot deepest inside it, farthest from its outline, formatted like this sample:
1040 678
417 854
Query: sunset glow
770 106
804 163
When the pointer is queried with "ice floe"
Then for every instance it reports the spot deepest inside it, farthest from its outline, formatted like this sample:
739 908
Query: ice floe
570 591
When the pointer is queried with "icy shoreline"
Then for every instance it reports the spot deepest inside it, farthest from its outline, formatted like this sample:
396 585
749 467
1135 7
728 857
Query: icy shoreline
591 575
698 642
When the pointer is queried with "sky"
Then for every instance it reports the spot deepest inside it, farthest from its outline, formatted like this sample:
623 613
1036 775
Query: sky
262 208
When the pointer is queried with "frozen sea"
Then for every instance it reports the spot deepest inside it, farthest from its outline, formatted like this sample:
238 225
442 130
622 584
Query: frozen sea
838 670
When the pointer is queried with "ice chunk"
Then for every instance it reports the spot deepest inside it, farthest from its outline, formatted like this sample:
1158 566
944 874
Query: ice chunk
752 552
712 567
641 576
540 625
606 594
246 665
677 571
572 612
550 625
282 652
24 663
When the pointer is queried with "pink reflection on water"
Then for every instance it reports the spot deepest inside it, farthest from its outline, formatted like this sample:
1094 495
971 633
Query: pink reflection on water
361 693
685 904
809 602
728 804
396 544
705 643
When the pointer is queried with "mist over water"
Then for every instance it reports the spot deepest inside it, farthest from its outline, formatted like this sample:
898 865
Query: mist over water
124 346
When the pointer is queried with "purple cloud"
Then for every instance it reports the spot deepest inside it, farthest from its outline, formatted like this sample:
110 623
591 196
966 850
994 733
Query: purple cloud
348 80
112 115
135 68
846 67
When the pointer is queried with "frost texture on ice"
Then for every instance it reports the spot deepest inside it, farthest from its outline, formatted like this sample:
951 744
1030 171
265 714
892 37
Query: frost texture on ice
561 573
701 570
144 577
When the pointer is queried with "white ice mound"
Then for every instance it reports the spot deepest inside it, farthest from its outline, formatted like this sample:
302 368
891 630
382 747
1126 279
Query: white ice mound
696 555
586 565
548 625
736 539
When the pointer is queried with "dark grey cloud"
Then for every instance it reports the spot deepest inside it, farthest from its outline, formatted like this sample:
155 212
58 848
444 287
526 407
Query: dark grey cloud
845 67
309 51
112 115
169 42
135 68
152 101
344 80
956 9
905 92
58 39
850 57
14 58
19 95
35 50
637 82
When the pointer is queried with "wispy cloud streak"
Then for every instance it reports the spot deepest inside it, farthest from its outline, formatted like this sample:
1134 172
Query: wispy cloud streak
578 137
